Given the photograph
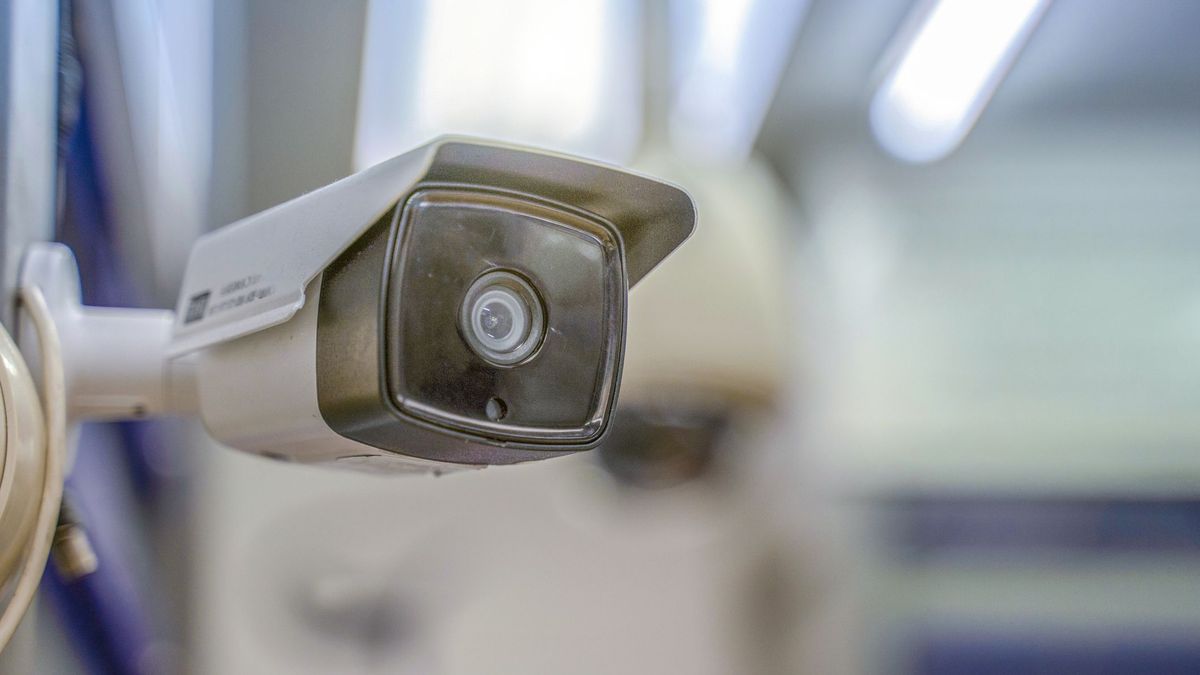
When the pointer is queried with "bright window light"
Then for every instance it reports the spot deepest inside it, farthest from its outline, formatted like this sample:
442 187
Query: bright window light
551 73
950 69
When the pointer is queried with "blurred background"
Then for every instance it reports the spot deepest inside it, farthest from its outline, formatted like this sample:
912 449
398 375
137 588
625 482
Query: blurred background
920 395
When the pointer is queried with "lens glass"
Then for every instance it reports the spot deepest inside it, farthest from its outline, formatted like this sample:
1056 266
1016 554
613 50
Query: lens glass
497 320
502 318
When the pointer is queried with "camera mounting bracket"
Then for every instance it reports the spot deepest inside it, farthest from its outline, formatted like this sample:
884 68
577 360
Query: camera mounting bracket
115 363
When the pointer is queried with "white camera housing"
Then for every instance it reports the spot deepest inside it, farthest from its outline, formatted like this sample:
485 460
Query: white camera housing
336 329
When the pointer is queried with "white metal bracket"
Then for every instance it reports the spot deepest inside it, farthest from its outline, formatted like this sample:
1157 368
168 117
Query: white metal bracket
115 362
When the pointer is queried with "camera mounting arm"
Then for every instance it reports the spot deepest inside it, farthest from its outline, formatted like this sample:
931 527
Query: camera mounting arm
115 363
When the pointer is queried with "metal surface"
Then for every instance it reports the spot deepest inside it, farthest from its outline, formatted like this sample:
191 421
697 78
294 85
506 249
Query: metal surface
28 127
29 44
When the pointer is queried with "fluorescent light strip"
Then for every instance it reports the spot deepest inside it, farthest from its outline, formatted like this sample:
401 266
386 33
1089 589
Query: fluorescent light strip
942 82
728 57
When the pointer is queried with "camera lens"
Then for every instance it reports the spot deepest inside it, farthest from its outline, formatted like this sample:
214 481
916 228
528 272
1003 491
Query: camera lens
497 320
502 318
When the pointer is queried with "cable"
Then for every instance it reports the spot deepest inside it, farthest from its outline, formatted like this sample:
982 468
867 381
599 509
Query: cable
54 407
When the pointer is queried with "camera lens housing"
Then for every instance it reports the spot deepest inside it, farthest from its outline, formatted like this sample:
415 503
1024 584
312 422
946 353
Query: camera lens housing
502 318
496 296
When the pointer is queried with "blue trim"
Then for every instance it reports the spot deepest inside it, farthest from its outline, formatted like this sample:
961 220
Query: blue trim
923 525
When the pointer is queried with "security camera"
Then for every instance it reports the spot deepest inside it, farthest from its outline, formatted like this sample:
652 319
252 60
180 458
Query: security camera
461 304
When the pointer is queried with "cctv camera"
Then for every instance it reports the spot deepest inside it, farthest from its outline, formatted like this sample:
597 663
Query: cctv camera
462 304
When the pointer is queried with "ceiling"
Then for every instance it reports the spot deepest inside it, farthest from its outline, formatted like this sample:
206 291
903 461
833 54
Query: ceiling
1089 62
